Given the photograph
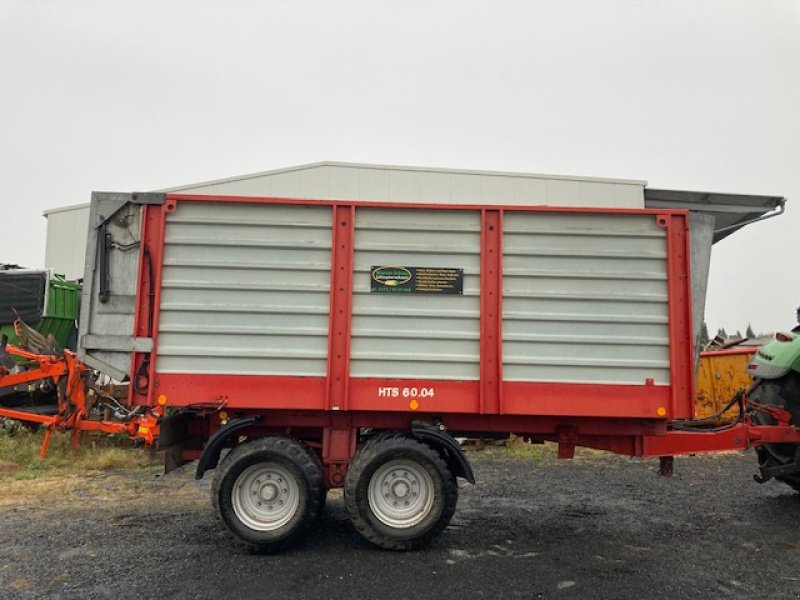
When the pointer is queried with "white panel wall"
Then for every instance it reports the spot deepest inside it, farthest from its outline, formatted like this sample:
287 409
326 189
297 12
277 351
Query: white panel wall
584 298
66 241
332 181
416 335
245 289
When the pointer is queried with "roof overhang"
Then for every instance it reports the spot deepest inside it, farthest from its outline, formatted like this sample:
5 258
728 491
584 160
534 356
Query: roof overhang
730 211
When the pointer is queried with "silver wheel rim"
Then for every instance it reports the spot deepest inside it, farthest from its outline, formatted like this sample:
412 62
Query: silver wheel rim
265 496
400 494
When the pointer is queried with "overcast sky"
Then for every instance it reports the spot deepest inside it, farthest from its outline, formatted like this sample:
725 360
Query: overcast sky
138 95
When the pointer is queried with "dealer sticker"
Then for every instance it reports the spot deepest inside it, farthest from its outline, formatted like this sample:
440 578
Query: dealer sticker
395 279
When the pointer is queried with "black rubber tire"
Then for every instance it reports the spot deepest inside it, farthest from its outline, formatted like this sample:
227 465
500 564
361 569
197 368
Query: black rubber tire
294 458
323 490
376 453
785 393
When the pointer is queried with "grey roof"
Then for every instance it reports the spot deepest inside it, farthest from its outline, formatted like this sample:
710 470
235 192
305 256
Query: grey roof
730 211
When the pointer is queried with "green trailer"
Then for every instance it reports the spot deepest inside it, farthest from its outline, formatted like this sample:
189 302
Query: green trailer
47 302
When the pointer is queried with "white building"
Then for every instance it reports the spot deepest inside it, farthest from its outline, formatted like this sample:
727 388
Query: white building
67 226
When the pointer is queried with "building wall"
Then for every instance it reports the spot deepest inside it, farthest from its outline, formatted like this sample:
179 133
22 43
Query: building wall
67 227
341 181
66 240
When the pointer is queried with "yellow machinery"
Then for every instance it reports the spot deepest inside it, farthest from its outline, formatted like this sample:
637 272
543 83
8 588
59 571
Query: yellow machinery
720 374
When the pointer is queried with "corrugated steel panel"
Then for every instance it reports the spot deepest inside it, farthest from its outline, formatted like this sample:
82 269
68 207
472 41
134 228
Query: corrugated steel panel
245 289
584 298
409 335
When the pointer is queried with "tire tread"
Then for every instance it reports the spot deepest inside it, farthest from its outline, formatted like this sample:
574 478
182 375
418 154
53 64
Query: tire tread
369 452
785 393
281 447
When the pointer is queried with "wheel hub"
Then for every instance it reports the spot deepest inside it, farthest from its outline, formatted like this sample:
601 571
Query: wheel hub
269 492
401 493
265 496
401 489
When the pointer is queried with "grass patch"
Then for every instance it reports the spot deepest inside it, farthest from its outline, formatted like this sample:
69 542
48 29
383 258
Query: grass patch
520 449
19 455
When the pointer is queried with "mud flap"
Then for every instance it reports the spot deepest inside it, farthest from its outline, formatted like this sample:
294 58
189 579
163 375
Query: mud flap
174 438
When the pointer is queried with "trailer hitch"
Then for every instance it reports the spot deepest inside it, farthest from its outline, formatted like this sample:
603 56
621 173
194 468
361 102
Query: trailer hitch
781 415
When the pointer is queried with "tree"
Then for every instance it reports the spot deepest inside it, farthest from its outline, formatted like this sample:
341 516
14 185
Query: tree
704 334
750 333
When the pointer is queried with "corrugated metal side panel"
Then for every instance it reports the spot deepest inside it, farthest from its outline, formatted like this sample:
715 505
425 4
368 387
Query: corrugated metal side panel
584 298
245 289
416 336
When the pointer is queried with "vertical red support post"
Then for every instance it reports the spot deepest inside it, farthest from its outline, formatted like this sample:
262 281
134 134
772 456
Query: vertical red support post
150 252
681 344
339 439
491 368
341 301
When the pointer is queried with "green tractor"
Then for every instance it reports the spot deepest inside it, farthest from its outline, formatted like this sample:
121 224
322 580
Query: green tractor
776 370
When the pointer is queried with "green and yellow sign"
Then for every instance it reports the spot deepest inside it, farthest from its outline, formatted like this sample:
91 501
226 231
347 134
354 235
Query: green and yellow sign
395 279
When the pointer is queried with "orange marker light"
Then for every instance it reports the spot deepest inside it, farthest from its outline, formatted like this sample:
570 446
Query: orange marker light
413 405
661 411
162 400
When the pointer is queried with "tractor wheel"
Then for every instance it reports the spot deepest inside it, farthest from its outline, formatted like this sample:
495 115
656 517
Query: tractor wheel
785 393
267 492
399 493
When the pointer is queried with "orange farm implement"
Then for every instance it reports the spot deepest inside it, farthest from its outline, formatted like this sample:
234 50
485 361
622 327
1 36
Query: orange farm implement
73 383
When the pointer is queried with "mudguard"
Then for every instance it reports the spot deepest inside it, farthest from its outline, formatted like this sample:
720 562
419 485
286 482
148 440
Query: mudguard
210 457
446 443
776 359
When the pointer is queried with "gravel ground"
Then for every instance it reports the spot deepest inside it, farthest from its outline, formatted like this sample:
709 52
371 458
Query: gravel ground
597 527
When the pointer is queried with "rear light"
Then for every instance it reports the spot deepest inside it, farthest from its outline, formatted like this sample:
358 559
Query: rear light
783 337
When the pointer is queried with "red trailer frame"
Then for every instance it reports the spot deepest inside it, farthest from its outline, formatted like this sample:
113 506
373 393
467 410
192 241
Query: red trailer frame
329 411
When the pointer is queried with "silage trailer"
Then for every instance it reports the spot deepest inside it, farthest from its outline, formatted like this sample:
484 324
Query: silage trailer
301 345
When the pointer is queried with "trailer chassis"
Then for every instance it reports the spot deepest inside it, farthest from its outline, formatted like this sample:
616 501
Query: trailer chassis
336 438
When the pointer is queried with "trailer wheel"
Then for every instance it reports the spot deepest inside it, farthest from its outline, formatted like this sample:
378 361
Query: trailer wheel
783 392
267 492
399 493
